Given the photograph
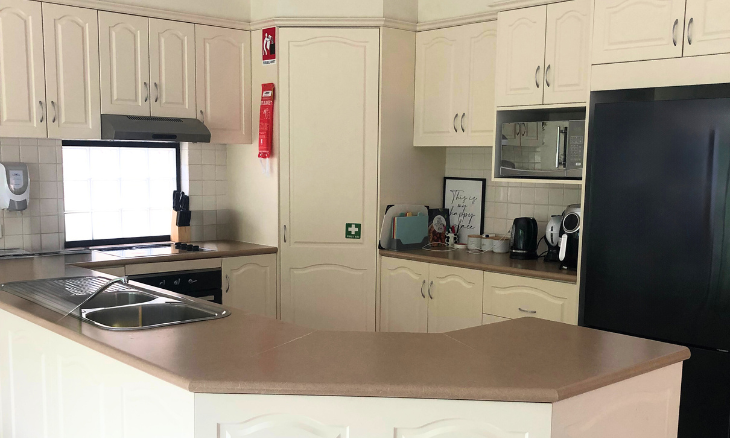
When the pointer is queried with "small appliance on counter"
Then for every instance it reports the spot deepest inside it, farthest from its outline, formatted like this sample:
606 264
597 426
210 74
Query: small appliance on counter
552 238
570 236
523 239
14 186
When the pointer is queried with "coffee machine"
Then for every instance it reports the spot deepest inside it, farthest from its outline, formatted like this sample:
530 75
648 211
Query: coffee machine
552 238
569 237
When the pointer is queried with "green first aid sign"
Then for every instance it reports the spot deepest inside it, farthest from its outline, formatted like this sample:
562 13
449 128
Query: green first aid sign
352 231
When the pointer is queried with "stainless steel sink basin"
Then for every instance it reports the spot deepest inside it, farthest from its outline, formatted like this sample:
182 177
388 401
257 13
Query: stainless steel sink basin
115 299
148 315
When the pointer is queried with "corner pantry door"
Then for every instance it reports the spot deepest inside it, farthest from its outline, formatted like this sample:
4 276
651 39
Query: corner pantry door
329 149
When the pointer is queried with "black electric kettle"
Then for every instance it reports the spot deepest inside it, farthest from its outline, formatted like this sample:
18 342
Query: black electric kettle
523 239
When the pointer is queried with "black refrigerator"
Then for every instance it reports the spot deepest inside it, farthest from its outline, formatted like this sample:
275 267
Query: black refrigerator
656 234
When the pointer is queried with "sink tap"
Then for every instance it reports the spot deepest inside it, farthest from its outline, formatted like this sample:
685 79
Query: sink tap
107 285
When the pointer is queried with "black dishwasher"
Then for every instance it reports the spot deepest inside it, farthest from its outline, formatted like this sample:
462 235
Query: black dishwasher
202 283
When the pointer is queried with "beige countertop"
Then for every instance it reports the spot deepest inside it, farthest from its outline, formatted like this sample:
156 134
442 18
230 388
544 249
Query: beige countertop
222 248
520 360
488 261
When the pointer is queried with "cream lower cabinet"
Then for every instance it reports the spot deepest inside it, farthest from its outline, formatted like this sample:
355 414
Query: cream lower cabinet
454 101
510 296
422 297
22 90
249 284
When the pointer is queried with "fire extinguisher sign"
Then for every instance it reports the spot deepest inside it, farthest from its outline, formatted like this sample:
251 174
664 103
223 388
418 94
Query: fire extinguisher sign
268 45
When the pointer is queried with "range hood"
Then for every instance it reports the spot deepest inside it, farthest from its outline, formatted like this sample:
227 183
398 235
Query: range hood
140 128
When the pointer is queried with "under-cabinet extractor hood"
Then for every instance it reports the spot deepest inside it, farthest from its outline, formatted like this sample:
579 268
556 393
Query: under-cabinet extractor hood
140 128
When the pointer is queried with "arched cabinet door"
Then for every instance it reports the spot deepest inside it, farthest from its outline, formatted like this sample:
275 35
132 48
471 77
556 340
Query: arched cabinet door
403 299
566 52
223 83
637 30
707 27
459 428
124 64
22 94
72 71
172 68
249 284
455 298
281 426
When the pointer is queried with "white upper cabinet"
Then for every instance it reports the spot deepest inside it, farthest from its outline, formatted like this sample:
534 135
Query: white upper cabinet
454 103
708 27
22 91
436 113
72 72
520 56
124 59
566 52
223 83
635 30
172 68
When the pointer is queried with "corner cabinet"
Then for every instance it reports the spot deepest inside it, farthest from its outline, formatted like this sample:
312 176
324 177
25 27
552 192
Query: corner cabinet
72 72
421 297
22 87
223 83
454 100
509 296
249 284
542 54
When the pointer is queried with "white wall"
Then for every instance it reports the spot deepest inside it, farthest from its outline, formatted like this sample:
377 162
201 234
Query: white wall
406 10
253 197
430 10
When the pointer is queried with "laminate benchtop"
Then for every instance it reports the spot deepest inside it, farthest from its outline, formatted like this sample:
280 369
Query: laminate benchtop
525 359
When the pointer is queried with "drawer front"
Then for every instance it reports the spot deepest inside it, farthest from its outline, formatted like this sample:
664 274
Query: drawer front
510 296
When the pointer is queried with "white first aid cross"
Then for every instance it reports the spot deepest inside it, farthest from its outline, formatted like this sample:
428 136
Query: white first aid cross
353 229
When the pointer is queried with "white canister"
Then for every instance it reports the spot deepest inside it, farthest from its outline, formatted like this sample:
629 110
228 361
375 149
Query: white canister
474 242
487 243
501 244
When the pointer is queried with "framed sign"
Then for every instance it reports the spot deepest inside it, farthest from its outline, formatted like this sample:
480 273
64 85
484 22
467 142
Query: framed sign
464 197
268 45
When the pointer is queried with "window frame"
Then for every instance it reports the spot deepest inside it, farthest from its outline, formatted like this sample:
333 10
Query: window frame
117 144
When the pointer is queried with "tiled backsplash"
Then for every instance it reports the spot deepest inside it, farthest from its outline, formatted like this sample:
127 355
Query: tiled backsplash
203 175
506 201
41 226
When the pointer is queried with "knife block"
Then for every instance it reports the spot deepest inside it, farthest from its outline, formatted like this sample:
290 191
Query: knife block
178 234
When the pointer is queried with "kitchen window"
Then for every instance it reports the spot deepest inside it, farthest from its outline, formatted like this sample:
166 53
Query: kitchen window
118 192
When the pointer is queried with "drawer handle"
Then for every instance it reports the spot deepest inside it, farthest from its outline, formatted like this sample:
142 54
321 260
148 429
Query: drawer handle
531 312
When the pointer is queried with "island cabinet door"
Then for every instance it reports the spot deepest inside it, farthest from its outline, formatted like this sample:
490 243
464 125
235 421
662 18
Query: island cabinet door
124 64
328 89
72 71
637 30
707 27
22 95
520 56
510 296
403 299
454 298
249 284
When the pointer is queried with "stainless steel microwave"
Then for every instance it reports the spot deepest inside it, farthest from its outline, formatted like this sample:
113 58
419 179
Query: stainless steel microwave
551 150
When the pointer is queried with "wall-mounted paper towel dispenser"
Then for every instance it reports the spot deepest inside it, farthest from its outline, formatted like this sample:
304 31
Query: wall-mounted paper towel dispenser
14 186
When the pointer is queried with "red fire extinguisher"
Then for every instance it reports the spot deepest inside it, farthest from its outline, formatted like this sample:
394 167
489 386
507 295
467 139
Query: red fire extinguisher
266 125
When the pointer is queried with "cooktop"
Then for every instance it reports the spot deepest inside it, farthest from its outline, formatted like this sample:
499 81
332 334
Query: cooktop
152 250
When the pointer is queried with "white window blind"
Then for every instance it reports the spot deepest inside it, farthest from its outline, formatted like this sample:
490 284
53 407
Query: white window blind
117 192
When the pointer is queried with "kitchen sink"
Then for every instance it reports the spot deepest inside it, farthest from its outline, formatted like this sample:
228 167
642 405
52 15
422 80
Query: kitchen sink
119 307
115 299
147 315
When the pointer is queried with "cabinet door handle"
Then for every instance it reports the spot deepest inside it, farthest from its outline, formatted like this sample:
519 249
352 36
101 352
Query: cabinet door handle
157 92
228 283
55 113
517 129
537 72
422 286
523 129
146 91
430 286
689 30
547 73
40 102
462 122
531 312
202 116
674 31
284 233
456 116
